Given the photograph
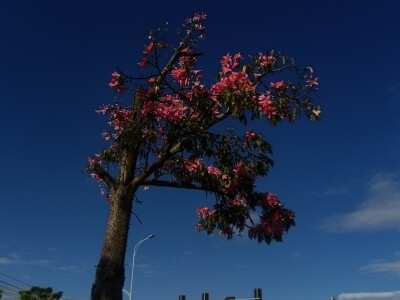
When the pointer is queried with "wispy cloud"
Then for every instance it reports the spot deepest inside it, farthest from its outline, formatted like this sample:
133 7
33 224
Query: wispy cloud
70 268
15 260
380 210
9 260
395 295
383 267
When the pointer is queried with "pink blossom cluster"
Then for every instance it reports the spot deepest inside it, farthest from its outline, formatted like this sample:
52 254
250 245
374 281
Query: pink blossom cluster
251 135
195 167
204 212
269 200
149 50
168 108
186 60
239 201
120 118
280 85
192 165
117 83
265 105
212 170
106 135
267 61
230 63
272 225
237 81
195 23
241 178
185 70
181 76
232 79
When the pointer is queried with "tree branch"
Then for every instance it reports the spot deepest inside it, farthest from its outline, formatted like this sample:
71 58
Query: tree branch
104 175
138 180
164 183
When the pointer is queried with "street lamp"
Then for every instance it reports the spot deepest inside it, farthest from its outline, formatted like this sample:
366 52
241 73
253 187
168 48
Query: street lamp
133 263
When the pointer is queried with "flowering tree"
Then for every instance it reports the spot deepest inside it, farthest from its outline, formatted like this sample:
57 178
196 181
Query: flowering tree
168 136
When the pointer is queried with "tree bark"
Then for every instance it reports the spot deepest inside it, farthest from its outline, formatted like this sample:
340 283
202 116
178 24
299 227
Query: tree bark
110 272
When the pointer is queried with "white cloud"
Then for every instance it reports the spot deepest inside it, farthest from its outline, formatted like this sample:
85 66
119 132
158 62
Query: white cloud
380 210
383 267
395 295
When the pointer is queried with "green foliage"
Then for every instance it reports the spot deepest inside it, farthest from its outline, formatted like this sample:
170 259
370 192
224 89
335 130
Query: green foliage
38 293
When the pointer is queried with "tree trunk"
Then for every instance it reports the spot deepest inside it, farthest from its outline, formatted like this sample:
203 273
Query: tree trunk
110 272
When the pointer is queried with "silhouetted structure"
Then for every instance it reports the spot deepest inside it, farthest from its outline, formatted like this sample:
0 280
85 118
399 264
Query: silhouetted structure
206 296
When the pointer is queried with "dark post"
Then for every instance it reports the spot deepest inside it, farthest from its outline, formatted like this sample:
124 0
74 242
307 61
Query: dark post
205 296
258 294
182 297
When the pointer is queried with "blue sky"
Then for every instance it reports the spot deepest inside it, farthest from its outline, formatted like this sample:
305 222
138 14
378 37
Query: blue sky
341 175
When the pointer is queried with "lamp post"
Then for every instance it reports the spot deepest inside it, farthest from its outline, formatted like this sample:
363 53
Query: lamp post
133 263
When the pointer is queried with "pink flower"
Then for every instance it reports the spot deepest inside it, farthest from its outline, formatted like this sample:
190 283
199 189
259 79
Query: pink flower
214 171
228 63
234 81
180 76
117 83
266 106
316 112
237 202
249 136
196 20
96 177
143 62
278 85
149 48
103 109
187 61
120 118
204 212
168 108
115 79
267 61
192 165
271 201
312 81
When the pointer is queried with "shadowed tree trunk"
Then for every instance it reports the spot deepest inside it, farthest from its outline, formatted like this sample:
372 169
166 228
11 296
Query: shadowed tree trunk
110 272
